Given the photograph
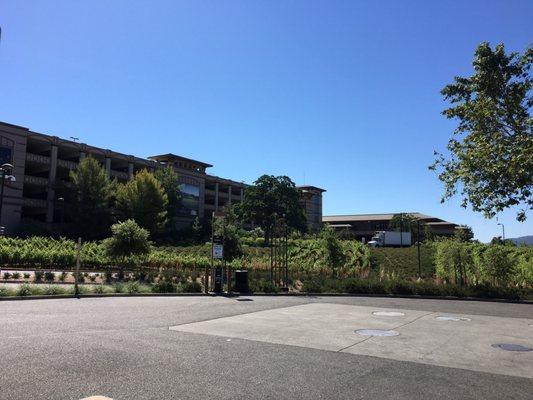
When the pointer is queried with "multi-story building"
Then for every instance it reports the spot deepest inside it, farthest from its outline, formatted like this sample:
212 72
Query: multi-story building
42 163
312 203
365 226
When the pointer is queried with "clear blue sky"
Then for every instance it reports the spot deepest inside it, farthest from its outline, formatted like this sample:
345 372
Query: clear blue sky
338 94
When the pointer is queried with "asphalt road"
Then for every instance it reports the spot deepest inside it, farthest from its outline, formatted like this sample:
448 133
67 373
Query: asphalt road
122 348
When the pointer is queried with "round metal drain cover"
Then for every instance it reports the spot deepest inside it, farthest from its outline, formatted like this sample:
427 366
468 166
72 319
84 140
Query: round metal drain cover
451 318
376 332
512 347
388 313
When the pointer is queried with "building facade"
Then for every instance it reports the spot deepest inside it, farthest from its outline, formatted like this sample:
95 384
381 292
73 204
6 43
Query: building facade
42 164
312 204
364 226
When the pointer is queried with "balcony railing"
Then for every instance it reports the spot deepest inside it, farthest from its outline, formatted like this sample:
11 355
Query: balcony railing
36 158
34 203
67 164
119 174
35 180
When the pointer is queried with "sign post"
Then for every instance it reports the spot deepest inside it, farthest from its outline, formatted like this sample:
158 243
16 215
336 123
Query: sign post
77 272
217 253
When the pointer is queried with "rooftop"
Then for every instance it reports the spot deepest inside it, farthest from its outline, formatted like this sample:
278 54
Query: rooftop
379 217
311 188
172 158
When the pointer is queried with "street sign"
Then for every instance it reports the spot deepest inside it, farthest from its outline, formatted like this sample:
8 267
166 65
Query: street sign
218 251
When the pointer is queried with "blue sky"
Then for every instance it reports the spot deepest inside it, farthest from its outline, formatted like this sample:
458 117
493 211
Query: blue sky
338 94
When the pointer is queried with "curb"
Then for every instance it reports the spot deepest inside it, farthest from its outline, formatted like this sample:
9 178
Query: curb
235 295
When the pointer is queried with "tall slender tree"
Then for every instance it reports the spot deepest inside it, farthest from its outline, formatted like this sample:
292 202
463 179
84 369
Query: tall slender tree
89 198
168 178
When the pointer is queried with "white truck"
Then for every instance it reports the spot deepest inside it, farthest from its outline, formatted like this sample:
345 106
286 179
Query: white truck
390 239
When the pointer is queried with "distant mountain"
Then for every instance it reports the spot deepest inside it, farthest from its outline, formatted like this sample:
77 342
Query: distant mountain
527 240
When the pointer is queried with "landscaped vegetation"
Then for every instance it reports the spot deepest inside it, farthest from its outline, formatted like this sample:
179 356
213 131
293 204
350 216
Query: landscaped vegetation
132 244
321 263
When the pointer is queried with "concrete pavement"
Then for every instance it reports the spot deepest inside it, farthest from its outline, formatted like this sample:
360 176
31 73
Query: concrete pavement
122 348
458 340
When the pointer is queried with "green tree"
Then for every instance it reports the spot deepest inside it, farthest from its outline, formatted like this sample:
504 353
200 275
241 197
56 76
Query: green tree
144 200
226 227
270 198
429 235
490 161
197 230
128 240
405 222
464 233
168 179
89 198
335 255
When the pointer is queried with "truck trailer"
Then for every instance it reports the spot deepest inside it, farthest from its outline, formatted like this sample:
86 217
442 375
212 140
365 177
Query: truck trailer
390 239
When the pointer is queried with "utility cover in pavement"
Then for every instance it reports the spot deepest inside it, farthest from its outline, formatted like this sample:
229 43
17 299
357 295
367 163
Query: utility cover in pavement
388 313
512 347
450 318
376 332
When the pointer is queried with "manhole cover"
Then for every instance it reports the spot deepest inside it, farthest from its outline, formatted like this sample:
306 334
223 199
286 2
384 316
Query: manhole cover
376 332
451 318
389 313
512 347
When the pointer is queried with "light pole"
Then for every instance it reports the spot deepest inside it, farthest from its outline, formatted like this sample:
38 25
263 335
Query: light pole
503 231
5 169
418 247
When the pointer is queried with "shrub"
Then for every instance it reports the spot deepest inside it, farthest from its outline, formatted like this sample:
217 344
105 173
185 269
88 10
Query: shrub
402 288
118 287
497 264
5 291
128 239
54 290
164 287
335 256
92 278
38 275
24 290
192 287
108 276
27 275
263 286
132 287
16 275
99 289
62 276
49 276
313 285
7 275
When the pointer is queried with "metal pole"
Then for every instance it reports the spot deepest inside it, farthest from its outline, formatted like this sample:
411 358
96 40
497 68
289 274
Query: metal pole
3 172
77 273
2 198
401 229
418 246
206 289
286 256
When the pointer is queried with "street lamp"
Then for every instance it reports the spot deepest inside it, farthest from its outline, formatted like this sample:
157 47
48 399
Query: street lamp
5 175
503 231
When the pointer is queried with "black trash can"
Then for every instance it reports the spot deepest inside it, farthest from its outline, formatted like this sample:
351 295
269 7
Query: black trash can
241 281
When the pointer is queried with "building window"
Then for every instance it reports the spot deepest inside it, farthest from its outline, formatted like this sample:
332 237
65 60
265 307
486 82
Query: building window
190 199
6 155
